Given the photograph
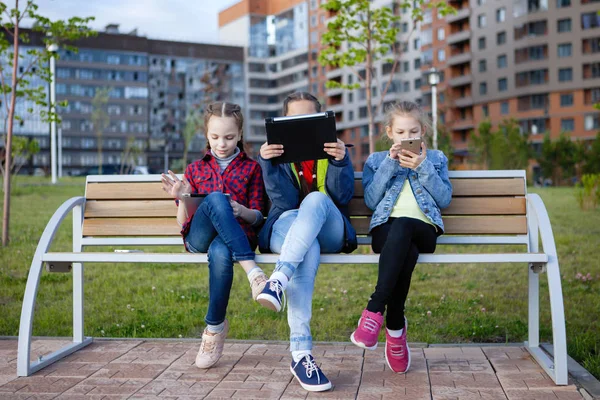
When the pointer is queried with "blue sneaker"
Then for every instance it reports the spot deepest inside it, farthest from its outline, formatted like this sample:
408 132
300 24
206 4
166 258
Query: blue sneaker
272 296
309 375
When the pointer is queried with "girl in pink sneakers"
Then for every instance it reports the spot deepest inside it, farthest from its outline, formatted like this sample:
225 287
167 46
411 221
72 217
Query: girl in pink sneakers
405 190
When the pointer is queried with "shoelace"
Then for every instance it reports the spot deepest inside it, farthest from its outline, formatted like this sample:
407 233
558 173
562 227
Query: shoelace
276 287
310 366
207 346
396 350
370 324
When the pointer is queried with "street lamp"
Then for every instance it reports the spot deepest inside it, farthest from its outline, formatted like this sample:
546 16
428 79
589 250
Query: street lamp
53 48
434 79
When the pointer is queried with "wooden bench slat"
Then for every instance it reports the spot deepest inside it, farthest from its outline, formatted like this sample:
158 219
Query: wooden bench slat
481 225
131 227
126 191
474 187
130 208
462 206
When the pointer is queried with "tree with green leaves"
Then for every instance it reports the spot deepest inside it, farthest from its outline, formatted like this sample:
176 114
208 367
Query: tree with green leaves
21 64
505 148
100 119
481 144
361 36
194 124
22 149
546 158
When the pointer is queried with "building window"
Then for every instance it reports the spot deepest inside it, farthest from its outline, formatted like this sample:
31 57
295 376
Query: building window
482 65
501 38
482 88
313 21
405 66
563 3
481 21
591 122
564 25
567 124
502 63
566 100
504 108
564 50
404 27
417 63
480 2
350 115
565 74
441 34
485 110
481 43
314 4
441 55
314 37
416 44
500 15
417 83
406 86
502 84
590 20
350 97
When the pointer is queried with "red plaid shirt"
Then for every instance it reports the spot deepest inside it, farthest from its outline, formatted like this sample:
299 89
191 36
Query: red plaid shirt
242 179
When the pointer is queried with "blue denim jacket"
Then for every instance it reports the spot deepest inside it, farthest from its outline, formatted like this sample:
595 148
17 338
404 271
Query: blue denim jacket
283 190
383 179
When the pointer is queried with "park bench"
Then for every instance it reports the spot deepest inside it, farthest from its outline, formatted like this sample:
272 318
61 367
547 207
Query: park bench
488 208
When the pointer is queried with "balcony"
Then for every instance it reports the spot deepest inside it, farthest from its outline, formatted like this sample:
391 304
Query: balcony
460 14
464 101
463 124
460 80
459 37
460 58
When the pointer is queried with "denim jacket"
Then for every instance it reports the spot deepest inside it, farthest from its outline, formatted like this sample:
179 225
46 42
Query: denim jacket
284 192
383 178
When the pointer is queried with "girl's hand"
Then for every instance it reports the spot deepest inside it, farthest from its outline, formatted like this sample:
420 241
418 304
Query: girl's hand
174 186
268 151
408 159
238 209
337 150
395 151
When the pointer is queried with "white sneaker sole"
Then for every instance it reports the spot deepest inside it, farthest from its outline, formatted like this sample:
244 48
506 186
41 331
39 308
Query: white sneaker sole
360 344
312 388
269 302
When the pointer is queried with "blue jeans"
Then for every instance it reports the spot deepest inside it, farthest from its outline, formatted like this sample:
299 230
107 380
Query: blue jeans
300 236
214 230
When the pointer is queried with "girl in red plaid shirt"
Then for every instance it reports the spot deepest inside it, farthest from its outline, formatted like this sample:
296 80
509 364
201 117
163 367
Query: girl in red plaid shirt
226 222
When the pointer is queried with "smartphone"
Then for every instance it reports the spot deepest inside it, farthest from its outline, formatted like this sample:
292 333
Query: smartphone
413 144
201 195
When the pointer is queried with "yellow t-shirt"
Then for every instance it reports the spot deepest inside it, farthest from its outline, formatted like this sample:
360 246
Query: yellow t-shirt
407 206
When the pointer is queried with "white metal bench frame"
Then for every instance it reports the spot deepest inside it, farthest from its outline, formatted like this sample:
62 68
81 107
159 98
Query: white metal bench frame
538 228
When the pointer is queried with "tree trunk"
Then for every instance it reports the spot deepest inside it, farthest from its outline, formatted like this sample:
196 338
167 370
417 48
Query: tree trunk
9 132
369 82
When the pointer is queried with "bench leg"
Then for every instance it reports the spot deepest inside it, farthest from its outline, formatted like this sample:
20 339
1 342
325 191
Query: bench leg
24 367
77 279
539 224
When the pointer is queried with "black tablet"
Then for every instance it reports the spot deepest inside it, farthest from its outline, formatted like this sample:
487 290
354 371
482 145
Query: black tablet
303 136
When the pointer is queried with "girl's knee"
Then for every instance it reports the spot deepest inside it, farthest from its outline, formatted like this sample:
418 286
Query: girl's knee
315 201
216 198
219 252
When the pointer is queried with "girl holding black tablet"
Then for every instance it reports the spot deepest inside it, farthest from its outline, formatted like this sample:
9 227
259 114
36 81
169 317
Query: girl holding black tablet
308 216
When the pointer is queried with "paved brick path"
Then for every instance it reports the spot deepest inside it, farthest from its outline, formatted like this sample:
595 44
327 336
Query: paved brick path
146 369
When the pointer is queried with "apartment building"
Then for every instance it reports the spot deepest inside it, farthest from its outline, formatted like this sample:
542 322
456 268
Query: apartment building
152 85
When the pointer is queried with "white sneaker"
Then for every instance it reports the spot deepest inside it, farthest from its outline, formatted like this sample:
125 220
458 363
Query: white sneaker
211 348
258 284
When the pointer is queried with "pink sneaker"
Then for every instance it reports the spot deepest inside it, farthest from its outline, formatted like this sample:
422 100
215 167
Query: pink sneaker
397 353
366 334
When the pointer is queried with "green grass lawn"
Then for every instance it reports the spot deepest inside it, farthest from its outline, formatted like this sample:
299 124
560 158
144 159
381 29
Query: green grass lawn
447 303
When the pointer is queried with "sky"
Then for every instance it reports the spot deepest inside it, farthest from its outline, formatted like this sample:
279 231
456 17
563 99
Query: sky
180 20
